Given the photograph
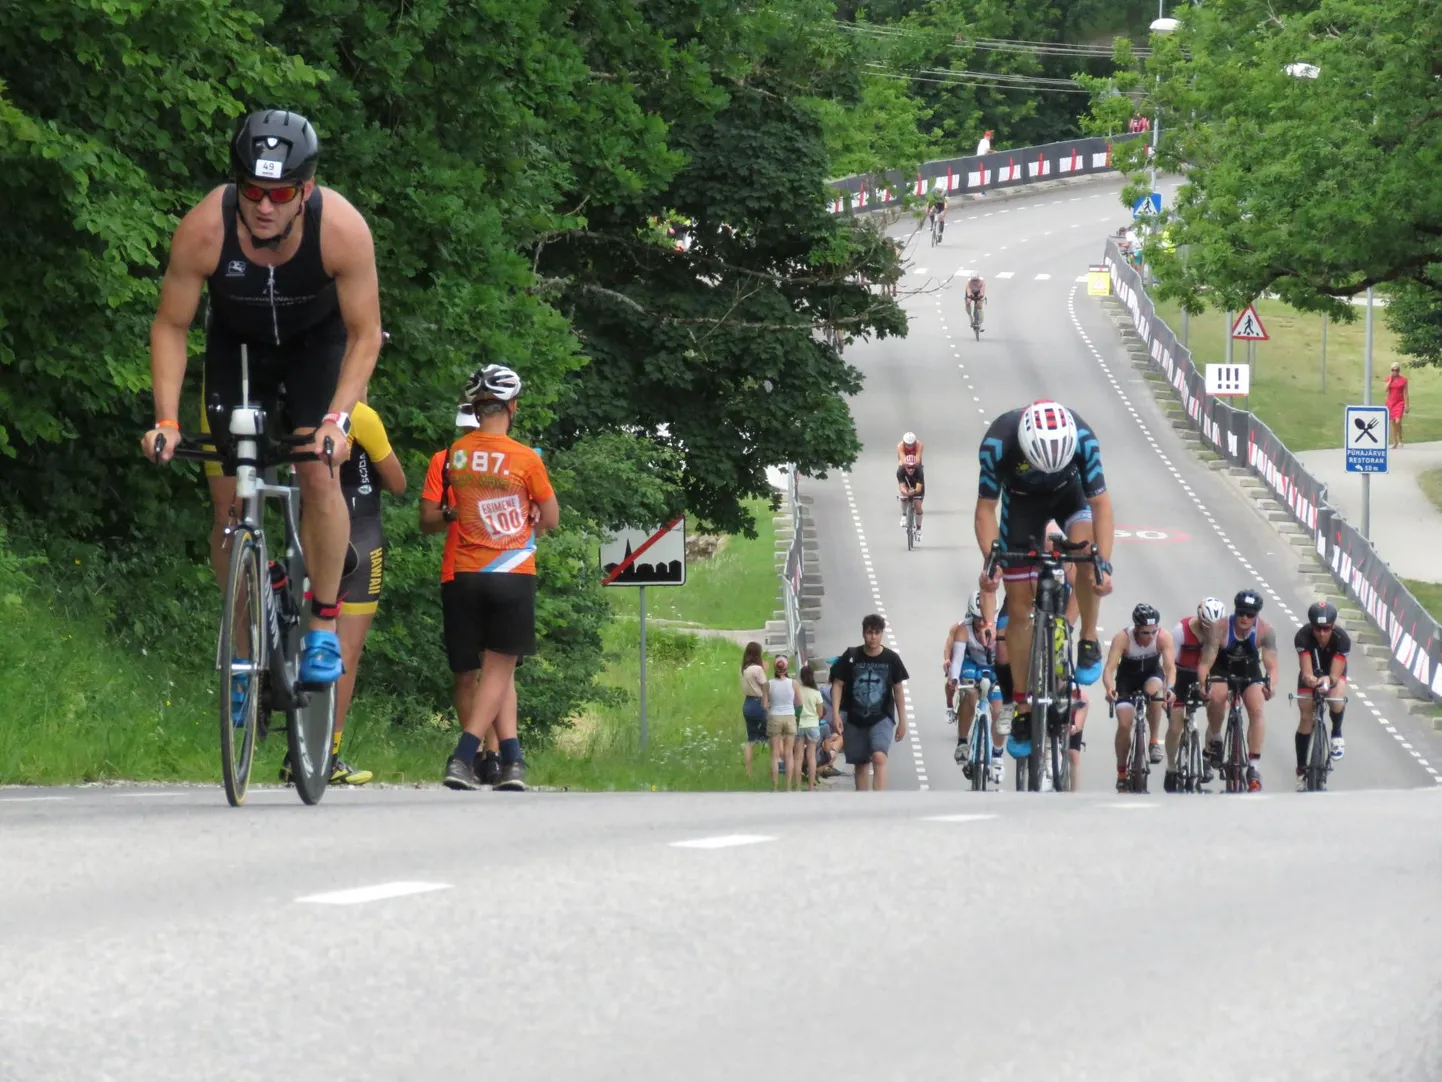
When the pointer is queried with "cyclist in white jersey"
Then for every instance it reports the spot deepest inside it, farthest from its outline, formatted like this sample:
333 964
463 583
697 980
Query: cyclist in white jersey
966 660
1142 657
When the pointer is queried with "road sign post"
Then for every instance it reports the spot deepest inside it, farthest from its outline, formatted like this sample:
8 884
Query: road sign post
665 565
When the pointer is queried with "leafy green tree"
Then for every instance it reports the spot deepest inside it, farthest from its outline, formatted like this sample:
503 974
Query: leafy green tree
1310 188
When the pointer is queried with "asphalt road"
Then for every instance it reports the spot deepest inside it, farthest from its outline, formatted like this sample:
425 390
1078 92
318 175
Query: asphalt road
161 935
1192 534
152 933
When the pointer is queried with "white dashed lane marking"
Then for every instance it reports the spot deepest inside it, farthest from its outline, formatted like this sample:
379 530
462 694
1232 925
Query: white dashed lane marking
379 892
1212 522
723 841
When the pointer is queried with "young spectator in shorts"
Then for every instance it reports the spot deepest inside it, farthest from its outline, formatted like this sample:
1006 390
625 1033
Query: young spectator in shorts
870 703
780 701
503 501
753 700
808 727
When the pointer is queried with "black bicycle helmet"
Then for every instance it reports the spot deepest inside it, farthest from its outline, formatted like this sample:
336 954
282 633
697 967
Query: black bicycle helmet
275 145
1247 603
1322 614
1145 616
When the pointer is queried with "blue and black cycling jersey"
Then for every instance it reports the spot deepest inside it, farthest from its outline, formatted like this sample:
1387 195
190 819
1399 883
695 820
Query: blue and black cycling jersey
1005 468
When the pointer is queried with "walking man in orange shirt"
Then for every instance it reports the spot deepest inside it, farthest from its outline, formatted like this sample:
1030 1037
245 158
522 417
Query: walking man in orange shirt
502 501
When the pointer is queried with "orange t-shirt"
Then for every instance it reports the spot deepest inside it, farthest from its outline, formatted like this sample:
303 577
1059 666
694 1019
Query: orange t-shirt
496 484
433 491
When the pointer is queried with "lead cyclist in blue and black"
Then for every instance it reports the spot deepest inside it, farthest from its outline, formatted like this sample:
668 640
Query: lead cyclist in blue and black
1039 463
290 271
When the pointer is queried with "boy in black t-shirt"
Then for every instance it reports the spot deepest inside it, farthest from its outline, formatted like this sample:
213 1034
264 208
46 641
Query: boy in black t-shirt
867 692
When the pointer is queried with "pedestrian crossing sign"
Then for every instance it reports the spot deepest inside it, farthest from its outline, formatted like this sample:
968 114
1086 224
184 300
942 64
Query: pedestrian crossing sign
1248 326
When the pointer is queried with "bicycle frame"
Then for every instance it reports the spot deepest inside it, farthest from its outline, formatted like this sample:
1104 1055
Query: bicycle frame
1050 658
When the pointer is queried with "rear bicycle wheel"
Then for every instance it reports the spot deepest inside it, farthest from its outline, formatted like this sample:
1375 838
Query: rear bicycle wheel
242 664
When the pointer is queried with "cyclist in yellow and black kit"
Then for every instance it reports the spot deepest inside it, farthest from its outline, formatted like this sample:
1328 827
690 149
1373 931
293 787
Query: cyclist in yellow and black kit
372 466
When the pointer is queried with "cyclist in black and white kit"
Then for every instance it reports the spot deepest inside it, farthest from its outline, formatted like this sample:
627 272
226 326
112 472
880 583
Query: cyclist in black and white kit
289 269
1244 654
1040 463
1322 649
1142 658
911 482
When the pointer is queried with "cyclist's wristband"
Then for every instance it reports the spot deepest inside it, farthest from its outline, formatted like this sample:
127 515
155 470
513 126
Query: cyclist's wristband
167 424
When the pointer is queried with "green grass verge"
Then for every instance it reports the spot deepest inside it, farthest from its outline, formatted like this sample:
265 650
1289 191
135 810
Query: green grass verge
75 708
1428 594
1287 388
694 726
1430 481
738 588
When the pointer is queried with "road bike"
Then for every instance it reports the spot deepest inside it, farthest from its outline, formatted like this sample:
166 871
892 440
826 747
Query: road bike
981 757
976 317
1192 771
908 510
1319 744
258 653
1235 756
1138 764
1051 665
935 229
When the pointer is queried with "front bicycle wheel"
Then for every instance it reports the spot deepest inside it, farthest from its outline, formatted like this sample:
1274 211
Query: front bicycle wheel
1138 765
1319 758
242 664
976 323
1234 755
910 525
1043 673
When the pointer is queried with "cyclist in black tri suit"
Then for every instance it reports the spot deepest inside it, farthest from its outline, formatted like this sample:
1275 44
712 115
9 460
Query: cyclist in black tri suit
289 268
1038 464
1322 649
1240 654
911 481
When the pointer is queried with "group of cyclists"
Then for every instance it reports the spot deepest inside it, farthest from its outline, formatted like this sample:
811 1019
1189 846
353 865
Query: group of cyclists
293 323
975 293
1041 476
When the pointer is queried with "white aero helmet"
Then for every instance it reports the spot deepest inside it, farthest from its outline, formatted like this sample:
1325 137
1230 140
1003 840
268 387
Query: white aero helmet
1211 610
909 439
1048 436
973 606
493 381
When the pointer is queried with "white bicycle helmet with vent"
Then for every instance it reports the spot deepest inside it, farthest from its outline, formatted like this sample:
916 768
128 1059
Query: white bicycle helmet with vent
908 439
493 381
973 606
1211 610
1048 436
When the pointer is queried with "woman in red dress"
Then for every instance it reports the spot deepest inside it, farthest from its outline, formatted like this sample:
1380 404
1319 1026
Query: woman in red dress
1399 401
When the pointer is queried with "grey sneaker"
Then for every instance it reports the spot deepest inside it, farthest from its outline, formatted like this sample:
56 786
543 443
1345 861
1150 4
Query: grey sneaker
513 777
459 775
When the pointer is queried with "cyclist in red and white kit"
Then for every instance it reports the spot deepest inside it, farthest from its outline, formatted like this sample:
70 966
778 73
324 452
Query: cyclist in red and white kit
1189 636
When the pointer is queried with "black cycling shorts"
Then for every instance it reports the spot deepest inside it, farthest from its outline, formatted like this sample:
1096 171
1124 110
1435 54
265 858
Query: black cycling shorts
1244 673
293 383
1024 515
1131 680
1186 680
487 610
360 591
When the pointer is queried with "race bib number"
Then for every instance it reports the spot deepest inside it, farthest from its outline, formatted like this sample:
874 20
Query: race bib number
503 516
268 170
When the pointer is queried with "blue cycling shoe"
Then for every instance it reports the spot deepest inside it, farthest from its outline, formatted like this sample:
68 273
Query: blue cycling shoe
239 689
1088 662
320 660
1018 741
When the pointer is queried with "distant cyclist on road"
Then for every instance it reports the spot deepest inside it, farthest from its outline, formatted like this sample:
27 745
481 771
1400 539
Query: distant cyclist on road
967 662
1188 637
976 299
1141 659
1039 463
289 268
910 445
1322 649
911 485
936 214
1247 646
